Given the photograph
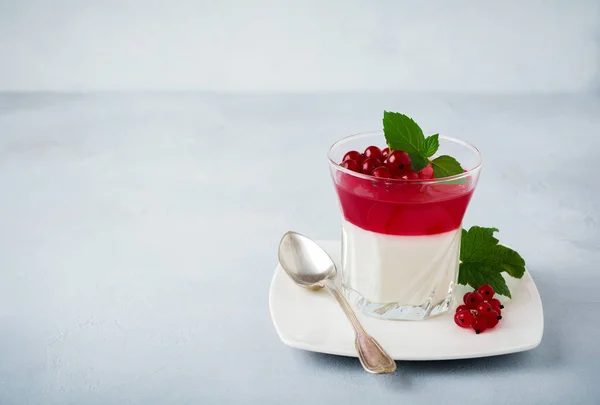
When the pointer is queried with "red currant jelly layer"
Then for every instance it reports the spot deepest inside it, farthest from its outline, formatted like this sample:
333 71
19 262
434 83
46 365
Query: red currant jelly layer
402 207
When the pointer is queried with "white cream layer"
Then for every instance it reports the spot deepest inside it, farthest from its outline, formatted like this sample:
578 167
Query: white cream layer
403 269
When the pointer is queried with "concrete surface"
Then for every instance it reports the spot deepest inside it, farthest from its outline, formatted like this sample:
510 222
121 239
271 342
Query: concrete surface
139 236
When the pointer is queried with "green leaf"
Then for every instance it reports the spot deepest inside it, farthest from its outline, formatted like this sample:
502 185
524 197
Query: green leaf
476 242
483 260
402 133
476 276
510 261
445 166
431 145
418 162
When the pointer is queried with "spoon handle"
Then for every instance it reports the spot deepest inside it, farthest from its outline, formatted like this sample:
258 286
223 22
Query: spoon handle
372 356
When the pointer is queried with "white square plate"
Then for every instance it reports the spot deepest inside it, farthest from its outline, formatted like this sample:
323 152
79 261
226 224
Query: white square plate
312 320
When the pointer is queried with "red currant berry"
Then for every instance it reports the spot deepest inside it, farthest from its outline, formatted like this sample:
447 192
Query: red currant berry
373 152
369 164
382 172
496 304
351 165
479 324
427 172
484 308
464 319
354 155
398 161
474 300
385 153
492 318
498 310
487 291
461 308
412 175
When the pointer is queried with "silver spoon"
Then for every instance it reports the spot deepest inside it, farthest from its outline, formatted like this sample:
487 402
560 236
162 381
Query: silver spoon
310 267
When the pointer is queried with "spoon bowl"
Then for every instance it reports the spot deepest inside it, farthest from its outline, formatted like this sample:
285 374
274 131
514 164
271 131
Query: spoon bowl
304 261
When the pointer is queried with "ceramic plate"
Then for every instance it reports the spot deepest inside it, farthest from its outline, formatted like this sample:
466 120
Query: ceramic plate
312 320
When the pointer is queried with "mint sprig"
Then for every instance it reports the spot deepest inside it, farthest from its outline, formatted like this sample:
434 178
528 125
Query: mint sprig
483 260
431 145
445 166
418 162
403 133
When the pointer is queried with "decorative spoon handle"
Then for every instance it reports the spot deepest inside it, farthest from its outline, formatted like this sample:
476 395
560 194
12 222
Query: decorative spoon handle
372 356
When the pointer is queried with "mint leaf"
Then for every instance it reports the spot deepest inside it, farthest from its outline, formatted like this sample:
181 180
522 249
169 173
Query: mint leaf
445 166
402 133
431 145
418 162
483 260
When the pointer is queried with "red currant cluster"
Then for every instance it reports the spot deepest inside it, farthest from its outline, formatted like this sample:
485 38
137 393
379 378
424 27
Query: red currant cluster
481 310
384 164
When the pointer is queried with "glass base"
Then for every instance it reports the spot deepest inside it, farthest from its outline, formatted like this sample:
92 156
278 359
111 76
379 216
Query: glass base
396 311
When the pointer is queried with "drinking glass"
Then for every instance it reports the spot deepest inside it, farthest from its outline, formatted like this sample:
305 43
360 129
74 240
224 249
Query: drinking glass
401 238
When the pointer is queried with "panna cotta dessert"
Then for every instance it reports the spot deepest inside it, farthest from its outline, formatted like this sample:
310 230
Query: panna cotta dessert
402 222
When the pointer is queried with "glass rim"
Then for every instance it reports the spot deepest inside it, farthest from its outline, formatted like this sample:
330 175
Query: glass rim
466 144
